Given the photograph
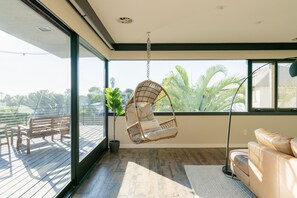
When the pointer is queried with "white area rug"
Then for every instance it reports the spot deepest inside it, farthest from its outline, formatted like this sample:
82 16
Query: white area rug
208 181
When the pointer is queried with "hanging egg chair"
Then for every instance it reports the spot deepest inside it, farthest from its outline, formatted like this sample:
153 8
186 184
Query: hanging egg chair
141 123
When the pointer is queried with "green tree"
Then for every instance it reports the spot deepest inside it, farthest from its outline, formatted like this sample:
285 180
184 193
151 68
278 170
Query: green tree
112 82
95 95
46 103
202 96
127 94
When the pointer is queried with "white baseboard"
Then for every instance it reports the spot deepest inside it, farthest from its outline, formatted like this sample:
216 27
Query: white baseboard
146 145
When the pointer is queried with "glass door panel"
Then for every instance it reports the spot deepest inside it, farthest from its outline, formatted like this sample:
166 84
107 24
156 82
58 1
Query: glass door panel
34 103
91 101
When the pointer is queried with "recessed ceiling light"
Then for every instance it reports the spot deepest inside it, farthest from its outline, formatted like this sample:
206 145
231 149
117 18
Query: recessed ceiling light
44 29
220 7
259 22
125 20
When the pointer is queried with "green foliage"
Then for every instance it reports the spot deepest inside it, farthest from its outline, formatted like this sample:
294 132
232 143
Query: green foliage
40 103
95 95
7 109
114 101
127 93
202 96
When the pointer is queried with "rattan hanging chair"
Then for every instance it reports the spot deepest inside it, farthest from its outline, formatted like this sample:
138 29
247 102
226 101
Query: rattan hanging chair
141 124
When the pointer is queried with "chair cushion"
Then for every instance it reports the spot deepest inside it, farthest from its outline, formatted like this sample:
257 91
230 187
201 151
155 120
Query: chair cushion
136 138
150 125
145 113
157 134
240 159
294 146
131 115
161 133
274 141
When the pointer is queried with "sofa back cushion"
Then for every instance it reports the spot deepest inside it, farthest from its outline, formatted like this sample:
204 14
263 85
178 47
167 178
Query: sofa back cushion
294 146
274 141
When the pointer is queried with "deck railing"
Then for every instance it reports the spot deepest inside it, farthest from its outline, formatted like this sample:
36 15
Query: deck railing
89 115
14 119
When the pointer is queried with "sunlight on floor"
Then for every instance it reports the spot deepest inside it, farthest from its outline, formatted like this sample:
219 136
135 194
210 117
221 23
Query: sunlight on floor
141 182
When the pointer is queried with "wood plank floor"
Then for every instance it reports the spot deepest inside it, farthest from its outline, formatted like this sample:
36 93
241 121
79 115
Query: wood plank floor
46 170
146 173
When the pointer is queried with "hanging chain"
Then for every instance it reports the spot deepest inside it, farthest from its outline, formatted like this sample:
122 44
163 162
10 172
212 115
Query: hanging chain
148 52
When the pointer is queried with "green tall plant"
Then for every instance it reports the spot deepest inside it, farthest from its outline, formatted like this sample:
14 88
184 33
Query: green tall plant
114 103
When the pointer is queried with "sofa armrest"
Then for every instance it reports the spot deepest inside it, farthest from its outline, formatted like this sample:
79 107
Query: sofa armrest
287 175
263 166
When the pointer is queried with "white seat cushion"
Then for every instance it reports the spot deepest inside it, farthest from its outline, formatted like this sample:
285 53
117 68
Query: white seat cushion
161 133
145 113
150 125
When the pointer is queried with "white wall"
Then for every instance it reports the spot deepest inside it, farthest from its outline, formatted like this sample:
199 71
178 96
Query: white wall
210 131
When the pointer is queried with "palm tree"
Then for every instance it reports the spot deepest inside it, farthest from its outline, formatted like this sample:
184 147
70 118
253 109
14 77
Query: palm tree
202 96
112 82
178 86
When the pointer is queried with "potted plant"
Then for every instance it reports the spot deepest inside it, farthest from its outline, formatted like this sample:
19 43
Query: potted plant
114 103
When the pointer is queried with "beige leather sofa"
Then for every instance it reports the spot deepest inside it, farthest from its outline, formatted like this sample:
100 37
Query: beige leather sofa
269 166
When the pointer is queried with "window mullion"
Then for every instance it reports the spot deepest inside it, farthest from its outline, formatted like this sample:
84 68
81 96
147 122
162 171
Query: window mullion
276 86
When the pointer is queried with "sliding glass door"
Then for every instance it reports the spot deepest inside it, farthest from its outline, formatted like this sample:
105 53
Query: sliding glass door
35 103
42 152
91 101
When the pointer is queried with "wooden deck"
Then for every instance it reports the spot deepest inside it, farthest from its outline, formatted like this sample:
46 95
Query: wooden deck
46 170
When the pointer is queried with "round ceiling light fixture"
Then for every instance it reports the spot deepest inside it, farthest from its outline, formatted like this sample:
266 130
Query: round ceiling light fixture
220 7
125 20
259 22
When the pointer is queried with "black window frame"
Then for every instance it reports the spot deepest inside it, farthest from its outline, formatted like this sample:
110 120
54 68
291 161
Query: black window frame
274 110
250 111
186 113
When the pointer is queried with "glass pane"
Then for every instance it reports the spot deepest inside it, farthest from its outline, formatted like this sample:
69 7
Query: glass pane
263 86
287 87
91 101
34 95
194 86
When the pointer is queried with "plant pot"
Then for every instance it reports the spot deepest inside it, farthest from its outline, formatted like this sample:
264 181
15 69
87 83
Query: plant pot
114 146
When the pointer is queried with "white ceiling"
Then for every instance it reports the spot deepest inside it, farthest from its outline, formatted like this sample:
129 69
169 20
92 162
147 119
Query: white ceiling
169 21
20 21
199 21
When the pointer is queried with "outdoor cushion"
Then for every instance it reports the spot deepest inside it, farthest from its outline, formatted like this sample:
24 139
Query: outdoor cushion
150 125
145 113
161 133
157 134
